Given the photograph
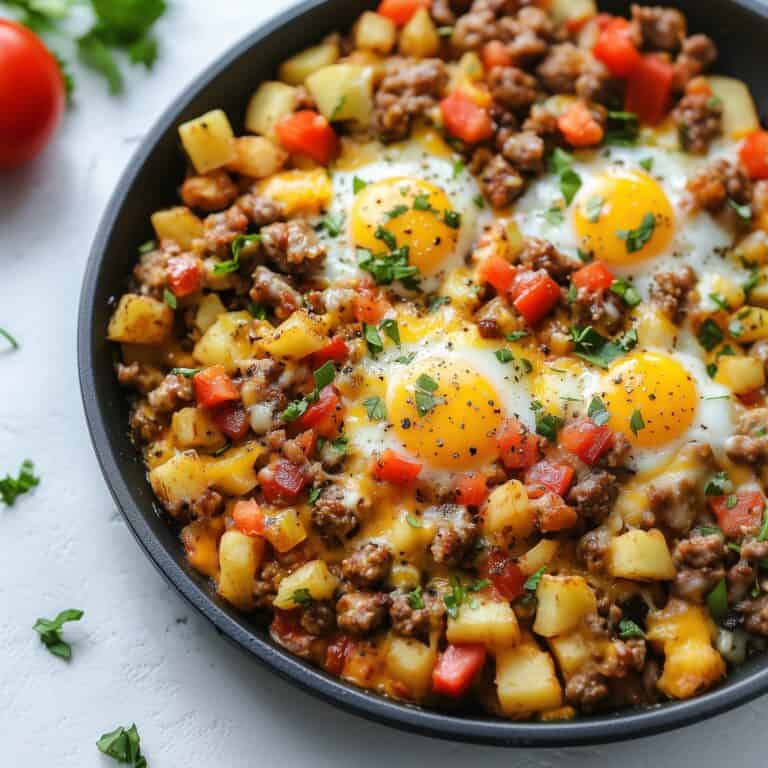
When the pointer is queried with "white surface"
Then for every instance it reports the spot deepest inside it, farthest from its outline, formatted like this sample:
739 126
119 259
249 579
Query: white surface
141 654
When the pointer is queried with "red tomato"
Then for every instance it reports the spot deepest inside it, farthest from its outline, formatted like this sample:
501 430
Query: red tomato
286 628
506 575
496 54
308 133
281 482
594 277
498 272
579 127
394 468
32 94
322 416
184 275
739 513
337 653
537 298
754 155
248 517
456 668
335 350
615 47
369 306
586 439
472 490
552 475
649 89
465 119
518 446
213 387
232 420
400 11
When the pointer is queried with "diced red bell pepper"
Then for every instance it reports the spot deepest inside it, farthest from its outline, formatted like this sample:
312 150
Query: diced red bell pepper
498 272
753 397
754 155
232 420
336 350
308 133
593 277
281 482
552 475
496 54
615 47
738 513
471 490
401 11
579 127
465 119
585 439
518 446
323 416
506 575
555 514
184 275
286 628
248 517
456 668
649 89
395 468
213 387
369 306
537 298
337 653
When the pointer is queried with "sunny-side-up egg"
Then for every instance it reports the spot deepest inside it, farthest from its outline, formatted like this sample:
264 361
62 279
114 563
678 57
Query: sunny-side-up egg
411 194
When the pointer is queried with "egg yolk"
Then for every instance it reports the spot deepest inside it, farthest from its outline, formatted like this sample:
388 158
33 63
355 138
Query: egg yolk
650 397
624 217
445 413
411 211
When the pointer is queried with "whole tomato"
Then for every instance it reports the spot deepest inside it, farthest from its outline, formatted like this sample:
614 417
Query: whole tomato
32 94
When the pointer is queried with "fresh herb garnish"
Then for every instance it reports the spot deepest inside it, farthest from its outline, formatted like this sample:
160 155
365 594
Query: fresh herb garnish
532 582
719 484
436 302
340 445
504 355
763 533
7 336
415 599
709 334
635 239
301 597
515 335
459 594
560 161
386 237
584 256
123 745
752 281
597 349
421 202
426 401
375 408
324 375
547 424
332 224
406 359
717 600
358 184
743 211
554 216
629 629
390 329
452 219
50 632
647 164
731 501
388 267
623 288
187 373
11 488
570 184
372 339
147 247
597 411
479 201
170 298
594 208
337 109
636 422
458 168
314 494
623 128
720 301
233 265
414 522
393 213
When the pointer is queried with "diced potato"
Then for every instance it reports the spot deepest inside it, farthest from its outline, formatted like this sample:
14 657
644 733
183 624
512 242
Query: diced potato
539 556
374 32
461 289
642 555
470 67
257 157
563 11
234 472
180 480
159 451
194 428
299 67
404 576
313 578
178 224
284 529
343 92
296 337
299 192
492 623
239 558
685 634
732 292
739 113
571 651
377 64
411 541
208 310
140 320
563 601
758 296
740 373
226 341
507 508
752 249
749 324
270 103
526 681
208 140
201 544
419 37
411 663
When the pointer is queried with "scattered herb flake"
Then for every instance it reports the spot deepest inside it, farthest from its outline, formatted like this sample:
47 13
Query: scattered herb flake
332 224
717 600
629 629
358 184
170 298
415 599
324 375
532 582
743 211
623 288
50 632
515 335
458 168
452 219
570 184
301 597
636 422
554 216
147 247
187 373
124 746
10 339
386 237
479 201
414 522
233 265
11 488
597 411
709 334
375 408
647 164
436 302
719 484
372 339
314 494
594 208
636 239
504 355
390 329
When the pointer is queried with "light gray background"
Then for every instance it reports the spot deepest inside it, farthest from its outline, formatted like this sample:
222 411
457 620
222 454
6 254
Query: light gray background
141 653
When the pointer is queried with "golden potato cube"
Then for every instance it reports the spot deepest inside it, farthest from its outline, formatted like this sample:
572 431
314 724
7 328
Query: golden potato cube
408 541
526 681
140 320
208 140
194 428
201 544
271 102
461 289
313 580
563 602
571 652
208 311
343 92
159 451
298 336
563 11
178 224
740 373
226 342
654 329
301 192
470 67
507 508
758 296
739 113
234 472
411 663
239 559
404 576
490 622
749 324
284 530
727 289
257 157
642 555
419 37
374 32
538 557
299 67
180 480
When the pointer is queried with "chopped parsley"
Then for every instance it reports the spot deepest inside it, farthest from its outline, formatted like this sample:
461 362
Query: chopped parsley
595 208
372 339
358 184
421 202
436 302
233 265
323 376
170 298
11 488
124 746
386 237
479 201
390 329
560 161
597 411
752 281
719 484
623 288
187 373
709 334
426 401
415 599
635 239
731 501
570 184
314 494
375 408
458 168
147 247
647 164
584 256
547 424
636 422
414 522
717 600
623 128
7 336
258 310
554 216
597 349
515 335
720 301
629 629
763 533
393 213
743 211
301 597
504 355
532 582
406 359
50 632
332 224
388 267
460 594
452 219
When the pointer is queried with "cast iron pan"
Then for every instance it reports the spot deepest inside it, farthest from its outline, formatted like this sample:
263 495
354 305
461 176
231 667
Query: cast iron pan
740 28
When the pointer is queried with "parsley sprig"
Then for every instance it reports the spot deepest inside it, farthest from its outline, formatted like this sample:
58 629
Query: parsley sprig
11 488
50 632
124 746
323 376
599 350
233 264
426 400
462 593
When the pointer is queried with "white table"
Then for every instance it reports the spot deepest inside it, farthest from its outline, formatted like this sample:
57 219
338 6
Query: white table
141 654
